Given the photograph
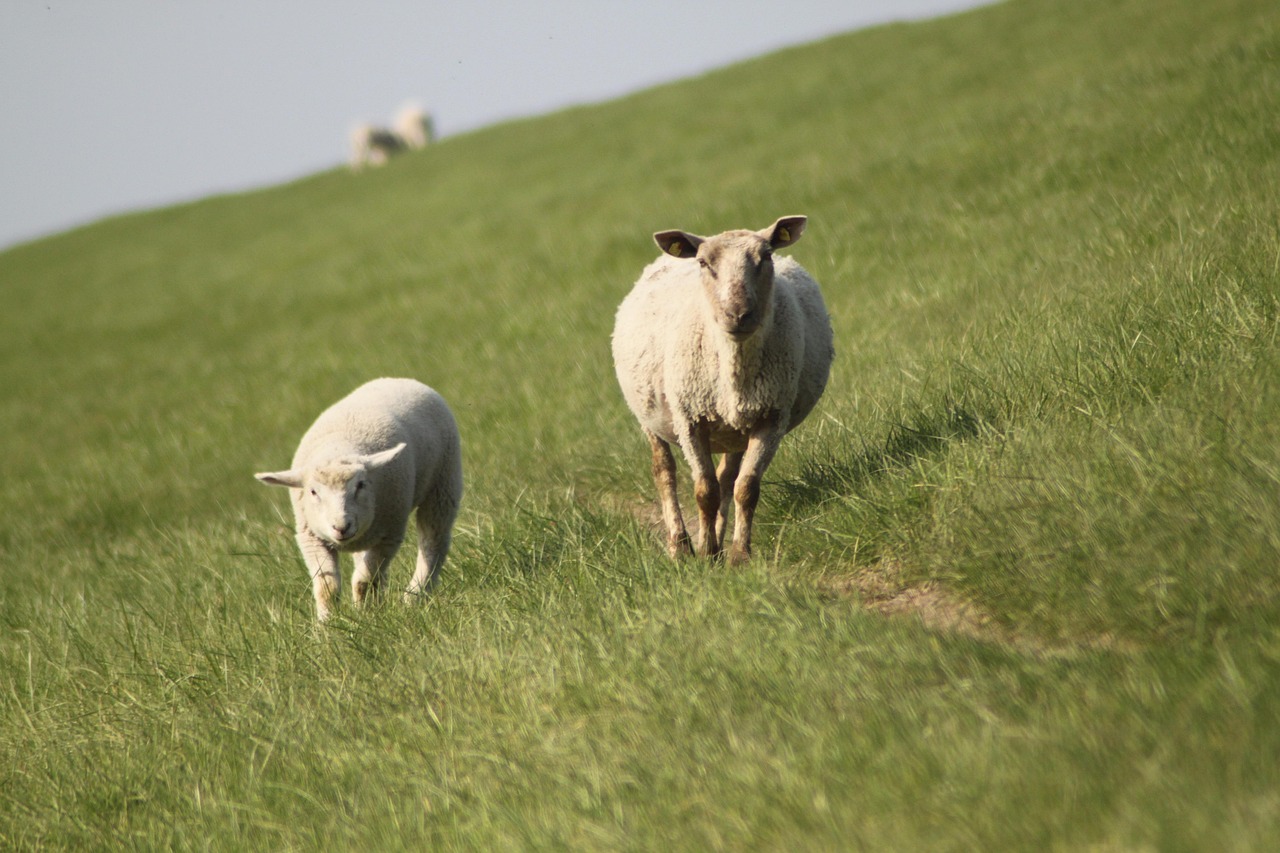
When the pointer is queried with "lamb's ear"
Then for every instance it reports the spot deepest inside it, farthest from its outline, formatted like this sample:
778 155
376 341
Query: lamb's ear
785 231
678 244
374 460
291 479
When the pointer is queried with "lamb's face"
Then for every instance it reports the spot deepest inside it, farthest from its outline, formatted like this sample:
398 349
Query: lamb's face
737 277
338 502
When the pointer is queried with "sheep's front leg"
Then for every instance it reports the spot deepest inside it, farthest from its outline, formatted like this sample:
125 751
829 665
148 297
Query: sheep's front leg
727 474
706 488
322 565
370 574
435 533
761 447
664 476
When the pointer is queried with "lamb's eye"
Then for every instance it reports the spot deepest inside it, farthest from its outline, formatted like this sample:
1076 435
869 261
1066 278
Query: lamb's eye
359 486
702 262
313 493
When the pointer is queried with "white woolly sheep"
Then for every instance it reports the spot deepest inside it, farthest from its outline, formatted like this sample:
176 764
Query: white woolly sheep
373 146
388 449
414 126
721 349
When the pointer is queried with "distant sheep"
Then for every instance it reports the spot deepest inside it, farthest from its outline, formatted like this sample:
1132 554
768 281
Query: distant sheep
373 146
389 448
414 126
721 349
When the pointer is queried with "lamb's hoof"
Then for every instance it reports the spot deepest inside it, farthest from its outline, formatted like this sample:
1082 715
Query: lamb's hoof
680 548
359 591
738 556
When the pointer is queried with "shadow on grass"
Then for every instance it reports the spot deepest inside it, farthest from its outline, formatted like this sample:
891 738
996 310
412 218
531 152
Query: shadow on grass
927 434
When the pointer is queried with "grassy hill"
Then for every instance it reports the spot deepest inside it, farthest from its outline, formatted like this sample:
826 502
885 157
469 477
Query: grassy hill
1018 577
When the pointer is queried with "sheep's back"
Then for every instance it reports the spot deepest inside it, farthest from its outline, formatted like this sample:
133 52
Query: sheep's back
792 281
653 325
379 415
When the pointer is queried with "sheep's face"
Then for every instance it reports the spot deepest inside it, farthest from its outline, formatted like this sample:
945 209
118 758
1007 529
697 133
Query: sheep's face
337 499
736 270
737 278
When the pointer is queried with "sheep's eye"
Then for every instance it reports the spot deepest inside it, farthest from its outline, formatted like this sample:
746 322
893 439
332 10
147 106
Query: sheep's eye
702 262
313 493
359 486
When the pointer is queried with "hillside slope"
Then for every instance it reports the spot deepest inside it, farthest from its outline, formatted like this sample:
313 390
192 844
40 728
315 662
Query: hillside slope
1049 239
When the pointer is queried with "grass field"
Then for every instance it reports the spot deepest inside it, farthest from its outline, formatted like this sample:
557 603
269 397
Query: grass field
1017 583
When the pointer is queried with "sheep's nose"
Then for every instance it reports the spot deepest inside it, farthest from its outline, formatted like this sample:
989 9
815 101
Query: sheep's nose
342 531
744 321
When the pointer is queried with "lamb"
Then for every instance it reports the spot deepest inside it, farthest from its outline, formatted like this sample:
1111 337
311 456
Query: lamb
373 146
389 448
721 349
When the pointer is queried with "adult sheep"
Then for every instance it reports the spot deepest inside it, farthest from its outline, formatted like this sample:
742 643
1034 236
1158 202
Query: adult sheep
720 348
414 127
387 449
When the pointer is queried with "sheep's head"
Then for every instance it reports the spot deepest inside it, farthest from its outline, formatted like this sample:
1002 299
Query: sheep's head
338 500
737 270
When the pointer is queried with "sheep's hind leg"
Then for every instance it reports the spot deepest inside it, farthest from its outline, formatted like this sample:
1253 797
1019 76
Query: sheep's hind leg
370 574
664 477
435 533
726 474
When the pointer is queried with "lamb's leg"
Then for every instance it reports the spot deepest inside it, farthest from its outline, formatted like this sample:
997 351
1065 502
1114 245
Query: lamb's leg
322 565
726 475
370 574
761 447
706 488
664 476
435 533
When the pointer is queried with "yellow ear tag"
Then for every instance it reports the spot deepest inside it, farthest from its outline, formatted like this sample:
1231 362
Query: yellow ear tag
784 235
676 249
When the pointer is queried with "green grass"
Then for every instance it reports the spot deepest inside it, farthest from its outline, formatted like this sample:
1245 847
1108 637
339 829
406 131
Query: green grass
1049 239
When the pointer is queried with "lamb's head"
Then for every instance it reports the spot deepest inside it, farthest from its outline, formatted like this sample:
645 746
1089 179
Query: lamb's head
737 270
338 497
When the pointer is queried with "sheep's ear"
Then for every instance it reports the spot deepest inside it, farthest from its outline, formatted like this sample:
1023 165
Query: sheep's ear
678 244
785 231
374 460
291 479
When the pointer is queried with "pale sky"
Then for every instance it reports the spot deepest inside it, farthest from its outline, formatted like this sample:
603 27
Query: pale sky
109 107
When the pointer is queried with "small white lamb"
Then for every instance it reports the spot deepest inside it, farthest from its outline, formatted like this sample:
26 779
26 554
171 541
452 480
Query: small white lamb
373 146
721 349
389 448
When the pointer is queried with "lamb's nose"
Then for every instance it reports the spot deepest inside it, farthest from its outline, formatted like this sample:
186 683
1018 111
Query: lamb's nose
341 531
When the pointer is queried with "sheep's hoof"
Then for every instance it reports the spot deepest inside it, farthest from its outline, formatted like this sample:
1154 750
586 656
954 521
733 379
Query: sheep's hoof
359 591
738 556
680 547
